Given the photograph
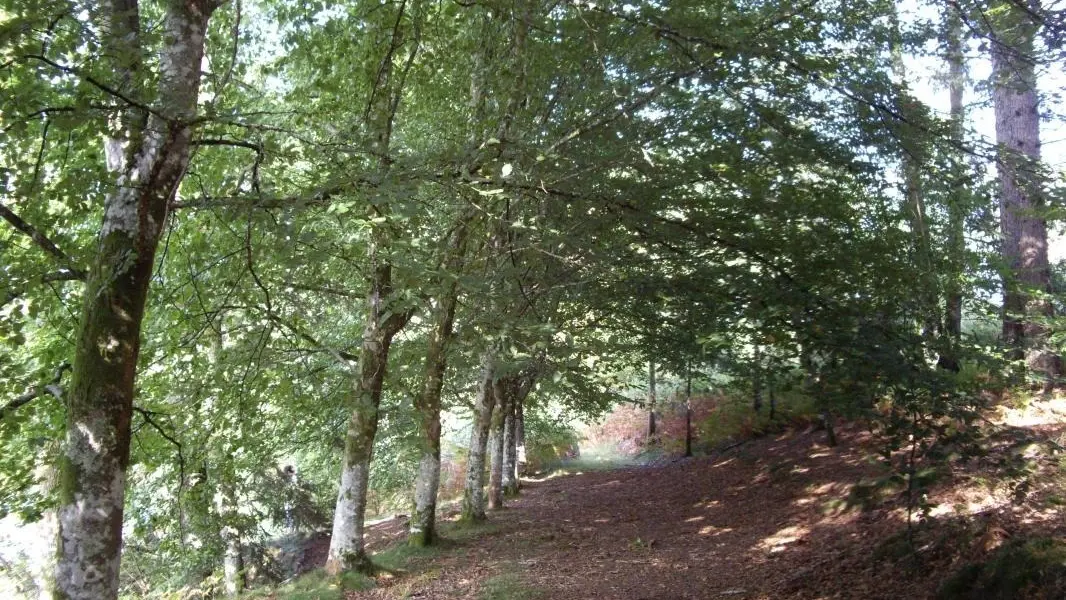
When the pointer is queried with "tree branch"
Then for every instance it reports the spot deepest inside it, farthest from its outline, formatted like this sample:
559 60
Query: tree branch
41 240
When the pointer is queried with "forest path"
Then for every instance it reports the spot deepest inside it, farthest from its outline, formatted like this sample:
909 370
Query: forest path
760 521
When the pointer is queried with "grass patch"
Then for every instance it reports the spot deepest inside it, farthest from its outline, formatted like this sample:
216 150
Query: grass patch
507 586
316 585
464 531
402 556
1034 568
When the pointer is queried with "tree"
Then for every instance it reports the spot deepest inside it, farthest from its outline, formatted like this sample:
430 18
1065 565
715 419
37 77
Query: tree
1024 228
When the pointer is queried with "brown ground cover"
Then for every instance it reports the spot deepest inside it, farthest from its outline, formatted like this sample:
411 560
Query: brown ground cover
772 518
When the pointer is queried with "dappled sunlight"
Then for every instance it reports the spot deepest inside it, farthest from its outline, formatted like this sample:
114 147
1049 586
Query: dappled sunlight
783 537
711 530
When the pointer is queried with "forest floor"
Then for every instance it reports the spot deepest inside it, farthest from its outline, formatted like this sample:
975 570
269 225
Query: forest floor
783 516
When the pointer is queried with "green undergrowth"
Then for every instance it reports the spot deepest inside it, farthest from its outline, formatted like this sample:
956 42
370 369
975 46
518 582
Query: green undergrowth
1032 569
507 586
315 585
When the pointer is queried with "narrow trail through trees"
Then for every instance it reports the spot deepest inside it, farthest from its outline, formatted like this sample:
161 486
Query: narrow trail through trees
763 520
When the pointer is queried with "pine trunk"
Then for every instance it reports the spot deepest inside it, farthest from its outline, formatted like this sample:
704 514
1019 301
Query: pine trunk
1024 230
100 401
474 489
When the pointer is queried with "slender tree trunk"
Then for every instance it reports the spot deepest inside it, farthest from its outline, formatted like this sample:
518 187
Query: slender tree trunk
957 201
474 490
423 531
756 381
100 401
230 533
497 445
912 158
688 413
382 322
651 399
1024 230
346 551
510 450
520 436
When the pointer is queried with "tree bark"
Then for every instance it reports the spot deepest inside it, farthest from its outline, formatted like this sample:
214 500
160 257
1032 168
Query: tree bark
520 436
1024 230
474 489
422 530
756 381
100 401
382 322
651 399
346 551
957 200
688 412
510 450
497 445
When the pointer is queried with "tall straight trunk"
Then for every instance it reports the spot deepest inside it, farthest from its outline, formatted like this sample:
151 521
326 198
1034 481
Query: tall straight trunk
346 551
100 400
651 399
510 450
474 489
228 515
912 158
688 411
957 200
1024 230
232 564
497 445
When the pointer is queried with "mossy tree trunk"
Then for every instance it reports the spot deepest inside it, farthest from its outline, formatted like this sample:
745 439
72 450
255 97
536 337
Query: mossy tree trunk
346 551
422 531
100 400
473 508
383 319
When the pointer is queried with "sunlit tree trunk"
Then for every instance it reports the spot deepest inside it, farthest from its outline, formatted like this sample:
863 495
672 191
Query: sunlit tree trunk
756 380
497 445
473 508
510 450
688 411
100 399
1024 229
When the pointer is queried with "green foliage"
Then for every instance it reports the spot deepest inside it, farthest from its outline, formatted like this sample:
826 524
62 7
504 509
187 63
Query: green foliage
1026 568
316 585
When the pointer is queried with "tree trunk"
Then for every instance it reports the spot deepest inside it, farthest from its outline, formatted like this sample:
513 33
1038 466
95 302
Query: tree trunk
100 401
346 551
497 445
830 429
510 450
422 531
651 399
382 322
756 381
232 562
1024 230
474 489
520 436
957 201
688 413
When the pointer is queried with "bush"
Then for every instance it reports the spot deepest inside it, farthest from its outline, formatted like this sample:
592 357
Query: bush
1034 569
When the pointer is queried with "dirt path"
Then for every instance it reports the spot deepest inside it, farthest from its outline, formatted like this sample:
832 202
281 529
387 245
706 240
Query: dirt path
761 521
